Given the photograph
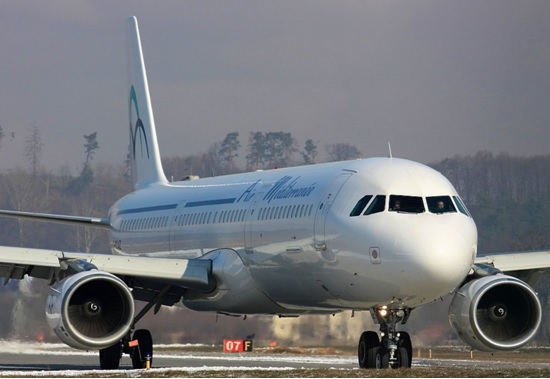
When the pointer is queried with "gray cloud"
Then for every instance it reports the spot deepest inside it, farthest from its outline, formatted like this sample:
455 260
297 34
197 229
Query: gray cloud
435 78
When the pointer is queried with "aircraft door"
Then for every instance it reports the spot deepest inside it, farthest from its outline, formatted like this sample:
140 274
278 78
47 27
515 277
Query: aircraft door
324 207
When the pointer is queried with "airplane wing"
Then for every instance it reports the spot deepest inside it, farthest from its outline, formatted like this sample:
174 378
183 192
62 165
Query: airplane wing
527 266
72 220
146 274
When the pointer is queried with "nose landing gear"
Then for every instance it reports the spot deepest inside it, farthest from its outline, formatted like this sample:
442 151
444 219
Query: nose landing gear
393 349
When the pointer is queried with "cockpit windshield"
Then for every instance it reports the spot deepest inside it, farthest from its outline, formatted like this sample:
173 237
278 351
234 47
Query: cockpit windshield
376 206
440 204
370 204
406 204
361 204
461 207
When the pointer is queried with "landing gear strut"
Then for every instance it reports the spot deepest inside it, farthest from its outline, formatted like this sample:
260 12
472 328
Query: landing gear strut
393 349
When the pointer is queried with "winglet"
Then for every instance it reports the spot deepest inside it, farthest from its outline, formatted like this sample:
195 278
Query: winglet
144 153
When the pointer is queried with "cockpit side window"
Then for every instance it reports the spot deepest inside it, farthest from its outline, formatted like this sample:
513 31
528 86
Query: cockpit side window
461 207
376 206
361 204
440 204
406 204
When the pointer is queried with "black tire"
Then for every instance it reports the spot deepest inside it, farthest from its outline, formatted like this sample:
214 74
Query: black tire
402 358
109 358
144 348
405 342
366 351
382 358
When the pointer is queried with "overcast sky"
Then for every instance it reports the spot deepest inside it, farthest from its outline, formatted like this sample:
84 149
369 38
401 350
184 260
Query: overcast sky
435 78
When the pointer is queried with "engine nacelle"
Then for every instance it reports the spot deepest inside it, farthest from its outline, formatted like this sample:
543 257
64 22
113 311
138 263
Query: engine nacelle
495 313
90 310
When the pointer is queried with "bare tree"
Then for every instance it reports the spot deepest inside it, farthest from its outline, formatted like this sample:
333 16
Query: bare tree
86 236
91 146
76 186
33 149
24 192
215 161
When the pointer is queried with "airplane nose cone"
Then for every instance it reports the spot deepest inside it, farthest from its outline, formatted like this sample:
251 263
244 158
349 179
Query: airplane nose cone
438 255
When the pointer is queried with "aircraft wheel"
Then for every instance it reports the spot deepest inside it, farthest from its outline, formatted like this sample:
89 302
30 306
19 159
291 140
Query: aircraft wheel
109 358
405 342
402 358
382 359
366 351
144 348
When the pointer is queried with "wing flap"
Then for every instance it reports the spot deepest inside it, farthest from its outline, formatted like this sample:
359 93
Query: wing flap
190 273
30 257
16 262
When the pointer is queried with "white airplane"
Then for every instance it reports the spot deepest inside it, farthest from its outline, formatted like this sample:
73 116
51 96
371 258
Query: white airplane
383 235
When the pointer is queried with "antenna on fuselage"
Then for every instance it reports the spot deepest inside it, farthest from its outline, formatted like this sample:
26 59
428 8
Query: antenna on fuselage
389 148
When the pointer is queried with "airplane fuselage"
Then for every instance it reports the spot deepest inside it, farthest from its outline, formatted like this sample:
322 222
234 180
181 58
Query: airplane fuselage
312 238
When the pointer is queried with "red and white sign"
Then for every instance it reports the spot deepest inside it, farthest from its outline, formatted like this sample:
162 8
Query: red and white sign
237 346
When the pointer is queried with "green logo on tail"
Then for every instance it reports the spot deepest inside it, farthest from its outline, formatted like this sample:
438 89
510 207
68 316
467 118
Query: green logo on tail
138 128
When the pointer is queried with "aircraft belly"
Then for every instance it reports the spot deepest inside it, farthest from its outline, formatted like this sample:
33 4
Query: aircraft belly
312 283
296 275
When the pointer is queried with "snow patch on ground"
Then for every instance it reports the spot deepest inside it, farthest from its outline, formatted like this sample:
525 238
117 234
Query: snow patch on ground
36 348
153 372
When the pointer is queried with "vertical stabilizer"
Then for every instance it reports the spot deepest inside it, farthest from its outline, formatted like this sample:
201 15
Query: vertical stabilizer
144 152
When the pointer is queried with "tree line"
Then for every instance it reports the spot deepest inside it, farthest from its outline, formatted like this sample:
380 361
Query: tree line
508 197
263 151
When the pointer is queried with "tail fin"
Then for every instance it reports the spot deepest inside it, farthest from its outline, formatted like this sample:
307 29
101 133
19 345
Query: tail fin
144 153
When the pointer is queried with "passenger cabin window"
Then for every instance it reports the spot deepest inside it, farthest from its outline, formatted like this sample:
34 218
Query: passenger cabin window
376 206
440 204
406 204
361 204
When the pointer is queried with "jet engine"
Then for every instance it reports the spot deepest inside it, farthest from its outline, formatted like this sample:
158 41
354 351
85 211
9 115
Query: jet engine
90 310
496 312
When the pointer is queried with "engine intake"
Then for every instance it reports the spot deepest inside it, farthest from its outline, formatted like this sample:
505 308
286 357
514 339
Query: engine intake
495 313
90 310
